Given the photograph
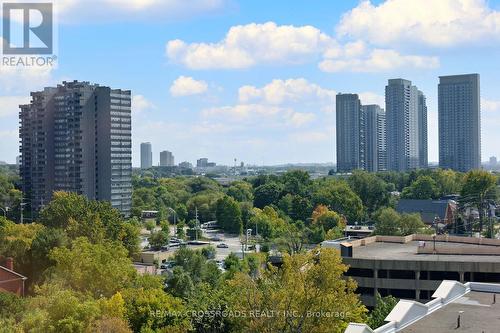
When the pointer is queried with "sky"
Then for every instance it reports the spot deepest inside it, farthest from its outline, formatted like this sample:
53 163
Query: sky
256 80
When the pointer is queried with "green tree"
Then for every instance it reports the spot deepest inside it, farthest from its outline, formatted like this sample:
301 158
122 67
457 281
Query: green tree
211 301
410 224
9 196
306 283
180 230
57 309
11 305
150 225
99 269
208 252
240 191
328 219
153 310
229 215
201 184
301 208
387 222
232 265
423 188
205 203
383 306
293 239
267 194
158 239
180 283
295 182
448 181
479 187
95 220
267 222
372 190
16 242
338 196
44 242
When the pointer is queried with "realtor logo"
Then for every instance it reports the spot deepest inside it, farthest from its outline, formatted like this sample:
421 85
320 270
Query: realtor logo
28 28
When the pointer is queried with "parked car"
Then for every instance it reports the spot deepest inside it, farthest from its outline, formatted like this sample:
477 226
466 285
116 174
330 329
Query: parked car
167 265
222 246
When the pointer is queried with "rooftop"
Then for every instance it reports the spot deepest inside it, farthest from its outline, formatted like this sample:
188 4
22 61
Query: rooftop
428 209
408 251
473 301
421 248
479 315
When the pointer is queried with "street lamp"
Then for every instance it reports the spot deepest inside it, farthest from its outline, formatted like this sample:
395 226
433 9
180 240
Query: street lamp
5 210
434 241
175 219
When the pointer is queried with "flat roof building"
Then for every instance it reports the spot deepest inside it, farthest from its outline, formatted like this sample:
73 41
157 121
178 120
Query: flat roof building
412 267
350 133
146 155
462 307
166 158
76 137
375 138
406 117
459 115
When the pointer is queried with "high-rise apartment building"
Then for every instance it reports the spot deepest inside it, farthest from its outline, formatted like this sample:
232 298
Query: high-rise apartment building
459 115
202 162
146 155
76 137
382 141
350 133
375 137
404 142
166 158
422 130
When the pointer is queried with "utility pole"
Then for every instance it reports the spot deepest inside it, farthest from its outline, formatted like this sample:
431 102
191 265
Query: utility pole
22 204
5 210
197 222
175 219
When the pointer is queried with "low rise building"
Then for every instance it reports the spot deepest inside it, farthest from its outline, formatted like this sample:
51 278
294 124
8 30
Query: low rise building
11 281
470 307
412 267
444 211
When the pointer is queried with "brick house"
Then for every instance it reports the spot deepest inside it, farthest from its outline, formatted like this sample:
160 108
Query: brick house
9 280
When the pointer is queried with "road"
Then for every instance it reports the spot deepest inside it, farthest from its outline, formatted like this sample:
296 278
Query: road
232 241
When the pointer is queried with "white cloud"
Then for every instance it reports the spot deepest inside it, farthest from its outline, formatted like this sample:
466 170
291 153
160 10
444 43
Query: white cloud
254 44
369 97
242 111
140 104
247 45
84 11
21 80
378 60
281 91
9 105
10 145
490 105
186 86
312 136
490 122
298 119
434 22
259 115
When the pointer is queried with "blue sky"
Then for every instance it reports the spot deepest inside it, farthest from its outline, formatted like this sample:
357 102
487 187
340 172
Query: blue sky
256 80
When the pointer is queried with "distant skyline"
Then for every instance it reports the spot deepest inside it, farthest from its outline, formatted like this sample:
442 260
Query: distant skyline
256 80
